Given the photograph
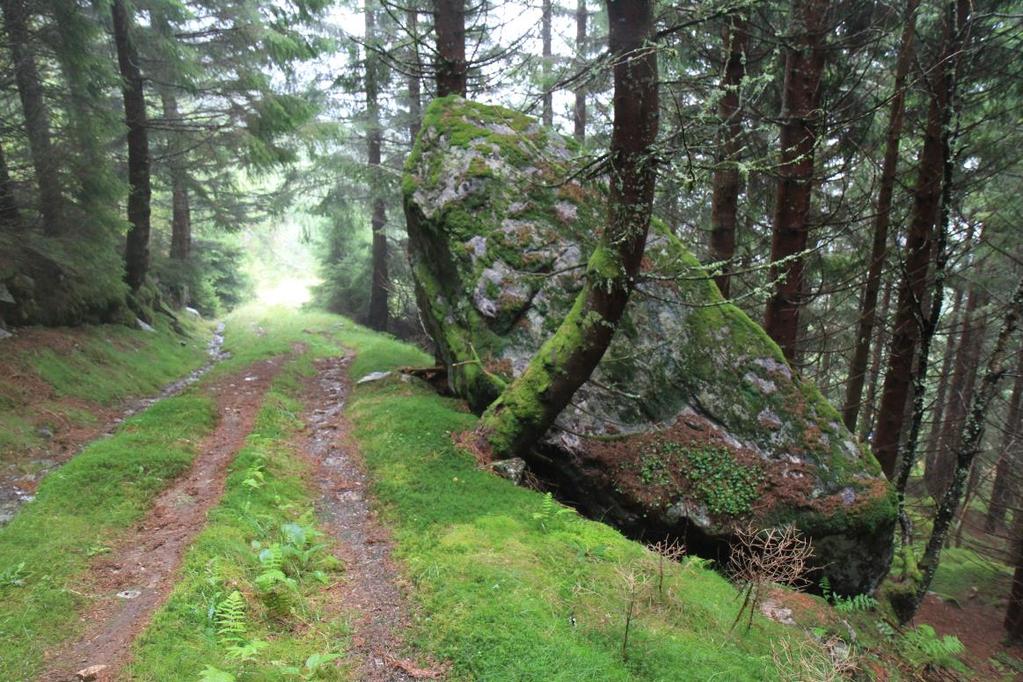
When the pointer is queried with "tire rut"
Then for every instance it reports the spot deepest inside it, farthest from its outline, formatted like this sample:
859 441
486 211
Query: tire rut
135 579
372 589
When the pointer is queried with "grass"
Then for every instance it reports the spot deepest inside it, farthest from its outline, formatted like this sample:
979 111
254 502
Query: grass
506 593
265 492
79 510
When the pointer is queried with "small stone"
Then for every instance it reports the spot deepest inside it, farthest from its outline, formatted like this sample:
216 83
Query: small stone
192 311
512 469
5 294
143 326
4 334
90 673
44 432
129 594
373 376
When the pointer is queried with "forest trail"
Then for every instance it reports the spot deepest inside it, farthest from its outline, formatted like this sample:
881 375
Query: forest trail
371 589
135 578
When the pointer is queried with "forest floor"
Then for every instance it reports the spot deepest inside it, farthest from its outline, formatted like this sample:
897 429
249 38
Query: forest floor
277 520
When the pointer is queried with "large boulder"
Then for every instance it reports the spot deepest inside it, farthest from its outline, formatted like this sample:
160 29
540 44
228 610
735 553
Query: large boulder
693 422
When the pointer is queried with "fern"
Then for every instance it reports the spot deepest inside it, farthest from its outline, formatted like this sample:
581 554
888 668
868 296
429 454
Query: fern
859 602
550 512
940 651
230 618
213 674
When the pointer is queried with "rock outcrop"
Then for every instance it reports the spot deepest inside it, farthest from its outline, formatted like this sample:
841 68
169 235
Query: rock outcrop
693 422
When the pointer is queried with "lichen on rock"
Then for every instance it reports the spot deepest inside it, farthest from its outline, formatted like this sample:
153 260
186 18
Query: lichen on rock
500 229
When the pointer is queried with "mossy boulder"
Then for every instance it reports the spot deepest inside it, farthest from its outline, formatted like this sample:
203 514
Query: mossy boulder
693 422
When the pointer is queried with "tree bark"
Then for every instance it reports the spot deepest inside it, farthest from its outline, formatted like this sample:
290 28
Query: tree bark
579 109
1003 489
37 116
725 192
531 403
415 96
377 317
941 393
800 120
10 217
939 468
909 312
1014 610
451 67
545 39
968 447
181 212
882 220
137 246
867 420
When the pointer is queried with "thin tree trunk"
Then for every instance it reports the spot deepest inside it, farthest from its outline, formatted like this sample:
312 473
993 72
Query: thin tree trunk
378 308
579 110
800 121
1014 610
531 403
415 96
137 247
725 194
879 248
926 200
451 67
10 217
37 115
941 393
964 375
181 212
968 447
867 419
1003 487
545 36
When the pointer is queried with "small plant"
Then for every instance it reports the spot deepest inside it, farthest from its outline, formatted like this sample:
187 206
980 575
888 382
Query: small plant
853 604
761 557
931 649
213 674
653 470
13 576
800 660
633 585
230 620
312 666
667 552
550 512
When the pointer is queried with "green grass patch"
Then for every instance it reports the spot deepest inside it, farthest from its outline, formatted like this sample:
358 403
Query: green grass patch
78 510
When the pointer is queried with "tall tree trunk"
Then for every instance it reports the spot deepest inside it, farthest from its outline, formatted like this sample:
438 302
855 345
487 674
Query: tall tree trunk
967 448
451 67
378 309
800 121
579 110
1004 487
37 116
964 375
725 195
10 217
415 96
941 393
531 403
909 314
867 420
137 247
181 212
545 36
882 220
1014 609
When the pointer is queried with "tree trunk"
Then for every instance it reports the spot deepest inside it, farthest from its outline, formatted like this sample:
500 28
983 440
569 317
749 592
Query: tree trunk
451 67
1004 486
867 420
545 37
800 120
889 166
10 218
941 393
964 375
968 447
37 116
531 403
137 247
909 312
378 309
1014 610
579 110
725 194
415 96
181 212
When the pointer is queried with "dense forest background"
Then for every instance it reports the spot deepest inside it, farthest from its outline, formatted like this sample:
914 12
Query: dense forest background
849 171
